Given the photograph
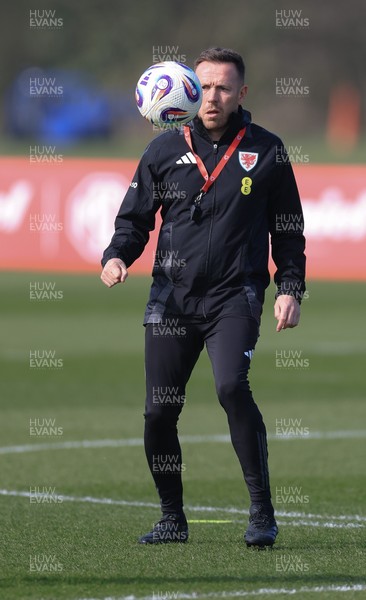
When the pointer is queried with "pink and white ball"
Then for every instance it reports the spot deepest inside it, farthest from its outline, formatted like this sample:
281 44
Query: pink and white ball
168 93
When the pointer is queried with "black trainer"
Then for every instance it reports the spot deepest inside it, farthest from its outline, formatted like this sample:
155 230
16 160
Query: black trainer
171 528
262 529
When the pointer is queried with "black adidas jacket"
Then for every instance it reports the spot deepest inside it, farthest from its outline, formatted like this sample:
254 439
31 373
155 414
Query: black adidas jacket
217 265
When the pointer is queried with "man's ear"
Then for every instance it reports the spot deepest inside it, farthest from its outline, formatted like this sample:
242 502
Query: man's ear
242 93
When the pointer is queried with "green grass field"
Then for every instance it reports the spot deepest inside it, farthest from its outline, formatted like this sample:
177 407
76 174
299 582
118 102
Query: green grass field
82 543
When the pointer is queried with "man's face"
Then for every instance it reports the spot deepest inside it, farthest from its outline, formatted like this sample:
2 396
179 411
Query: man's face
223 91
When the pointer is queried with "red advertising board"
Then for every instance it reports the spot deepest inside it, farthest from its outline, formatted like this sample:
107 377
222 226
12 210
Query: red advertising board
334 204
59 215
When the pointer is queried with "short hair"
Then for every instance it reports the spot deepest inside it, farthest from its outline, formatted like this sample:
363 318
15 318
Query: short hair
222 55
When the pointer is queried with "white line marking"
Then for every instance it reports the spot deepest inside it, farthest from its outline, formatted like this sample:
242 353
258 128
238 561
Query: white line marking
245 593
352 521
71 445
185 439
325 525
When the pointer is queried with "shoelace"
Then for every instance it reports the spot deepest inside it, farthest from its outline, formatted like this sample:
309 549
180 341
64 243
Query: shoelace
166 518
260 518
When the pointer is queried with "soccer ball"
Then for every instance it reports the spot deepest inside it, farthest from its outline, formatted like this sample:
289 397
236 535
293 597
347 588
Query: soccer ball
168 93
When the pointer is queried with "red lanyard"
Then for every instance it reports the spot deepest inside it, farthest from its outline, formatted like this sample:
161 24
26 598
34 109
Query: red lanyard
209 179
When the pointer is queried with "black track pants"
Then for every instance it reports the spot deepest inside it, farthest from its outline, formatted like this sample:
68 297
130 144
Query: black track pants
171 351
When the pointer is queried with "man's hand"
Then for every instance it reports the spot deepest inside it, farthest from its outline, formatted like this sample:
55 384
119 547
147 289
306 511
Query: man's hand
286 311
115 271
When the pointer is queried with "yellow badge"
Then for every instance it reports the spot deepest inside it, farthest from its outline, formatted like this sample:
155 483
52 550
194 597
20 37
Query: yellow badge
246 186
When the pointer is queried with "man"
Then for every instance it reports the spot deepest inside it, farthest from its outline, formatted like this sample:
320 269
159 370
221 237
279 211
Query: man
210 274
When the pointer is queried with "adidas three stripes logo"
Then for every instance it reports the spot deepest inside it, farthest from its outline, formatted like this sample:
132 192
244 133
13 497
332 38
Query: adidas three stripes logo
186 159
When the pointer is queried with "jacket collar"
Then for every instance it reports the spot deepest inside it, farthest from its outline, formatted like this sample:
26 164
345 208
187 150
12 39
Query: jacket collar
236 122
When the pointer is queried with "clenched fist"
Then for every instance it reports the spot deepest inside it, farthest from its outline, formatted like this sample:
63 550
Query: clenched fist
115 271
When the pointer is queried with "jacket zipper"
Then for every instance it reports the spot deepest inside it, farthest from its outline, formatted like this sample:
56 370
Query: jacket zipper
215 150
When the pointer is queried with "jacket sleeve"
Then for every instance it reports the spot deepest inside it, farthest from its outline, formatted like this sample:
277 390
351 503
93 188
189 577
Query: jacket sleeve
136 216
286 226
